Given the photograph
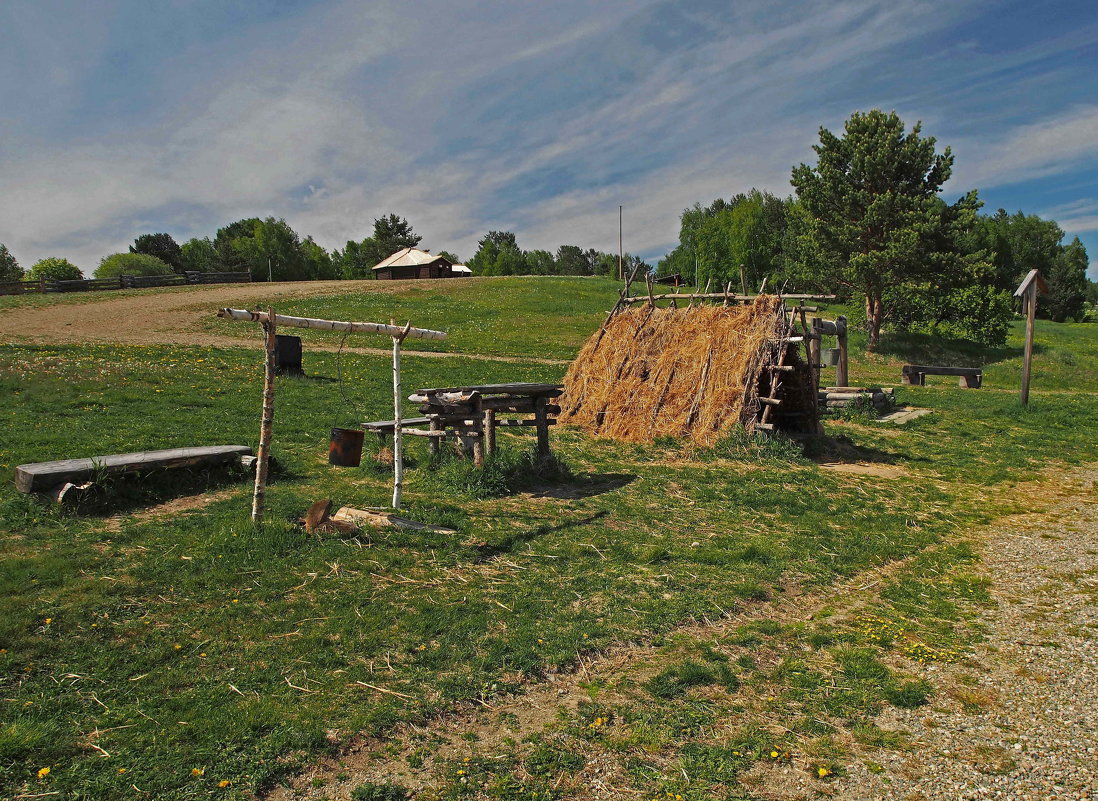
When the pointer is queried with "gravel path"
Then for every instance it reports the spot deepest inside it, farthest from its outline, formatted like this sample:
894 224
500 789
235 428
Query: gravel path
1020 720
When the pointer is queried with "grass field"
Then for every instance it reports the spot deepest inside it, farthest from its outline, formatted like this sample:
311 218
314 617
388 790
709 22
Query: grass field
209 658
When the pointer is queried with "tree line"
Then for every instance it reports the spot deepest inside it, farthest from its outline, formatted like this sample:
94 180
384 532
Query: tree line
867 221
270 248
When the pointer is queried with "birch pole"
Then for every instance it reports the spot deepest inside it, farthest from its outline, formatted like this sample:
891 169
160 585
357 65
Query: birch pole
398 437
267 420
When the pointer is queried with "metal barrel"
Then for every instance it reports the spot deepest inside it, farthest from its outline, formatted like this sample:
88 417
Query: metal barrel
345 449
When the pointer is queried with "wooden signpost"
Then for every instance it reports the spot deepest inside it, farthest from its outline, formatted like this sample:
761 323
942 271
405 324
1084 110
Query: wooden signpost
269 320
1028 291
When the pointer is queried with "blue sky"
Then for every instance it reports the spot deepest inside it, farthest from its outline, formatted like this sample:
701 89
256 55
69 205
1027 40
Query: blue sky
124 117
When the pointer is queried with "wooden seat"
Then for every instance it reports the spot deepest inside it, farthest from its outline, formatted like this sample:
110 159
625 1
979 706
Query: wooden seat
43 476
968 377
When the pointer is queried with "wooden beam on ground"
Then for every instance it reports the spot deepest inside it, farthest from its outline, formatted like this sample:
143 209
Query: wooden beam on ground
377 519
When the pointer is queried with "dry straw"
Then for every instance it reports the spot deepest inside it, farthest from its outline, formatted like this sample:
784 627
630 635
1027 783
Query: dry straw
697 372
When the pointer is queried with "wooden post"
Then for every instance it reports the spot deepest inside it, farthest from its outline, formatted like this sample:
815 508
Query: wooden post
1031 311
478 441
266 424
541 420
1027 290
398 437
490 431
814 349
433 442
842 372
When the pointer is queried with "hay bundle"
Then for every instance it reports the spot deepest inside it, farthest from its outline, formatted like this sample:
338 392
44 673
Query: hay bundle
693 372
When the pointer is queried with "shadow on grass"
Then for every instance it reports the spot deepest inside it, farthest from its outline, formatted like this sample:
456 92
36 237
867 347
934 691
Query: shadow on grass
915 348
585 486
843 449
512 541
117 493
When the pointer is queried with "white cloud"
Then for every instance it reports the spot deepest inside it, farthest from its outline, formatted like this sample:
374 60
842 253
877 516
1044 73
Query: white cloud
1029 151
334 118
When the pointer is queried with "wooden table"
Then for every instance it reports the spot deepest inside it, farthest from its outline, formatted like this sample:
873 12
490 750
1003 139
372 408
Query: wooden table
472 413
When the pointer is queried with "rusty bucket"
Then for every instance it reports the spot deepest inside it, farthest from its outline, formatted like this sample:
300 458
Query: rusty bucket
345 449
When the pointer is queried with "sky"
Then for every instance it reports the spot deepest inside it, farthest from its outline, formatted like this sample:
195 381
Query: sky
123 117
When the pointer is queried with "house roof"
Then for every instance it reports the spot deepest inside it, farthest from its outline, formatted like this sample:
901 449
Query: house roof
409 257
461 268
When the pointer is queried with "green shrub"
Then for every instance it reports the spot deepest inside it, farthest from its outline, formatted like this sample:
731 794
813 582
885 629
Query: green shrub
131 264
55 269
978 313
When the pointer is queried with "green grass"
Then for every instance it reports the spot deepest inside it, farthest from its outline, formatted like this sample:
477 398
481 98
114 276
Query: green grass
532 316
1064 356
195 648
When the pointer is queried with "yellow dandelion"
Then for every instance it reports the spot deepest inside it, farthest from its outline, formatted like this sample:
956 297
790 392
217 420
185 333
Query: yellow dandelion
49 620
224 783
43 773
773 754
821 772
121 770
177 646
197 771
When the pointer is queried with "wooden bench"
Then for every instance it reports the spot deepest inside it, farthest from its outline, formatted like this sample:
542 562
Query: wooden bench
408 425
968 377
45 476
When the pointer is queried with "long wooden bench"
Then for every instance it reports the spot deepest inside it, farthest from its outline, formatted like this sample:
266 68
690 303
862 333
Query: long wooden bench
45 476
968 377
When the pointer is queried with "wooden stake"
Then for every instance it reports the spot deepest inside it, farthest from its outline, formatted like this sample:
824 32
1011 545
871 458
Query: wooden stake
1031 311
398 434
266 424
842 373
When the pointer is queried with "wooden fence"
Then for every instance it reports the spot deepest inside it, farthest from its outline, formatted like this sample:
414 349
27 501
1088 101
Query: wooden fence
121 282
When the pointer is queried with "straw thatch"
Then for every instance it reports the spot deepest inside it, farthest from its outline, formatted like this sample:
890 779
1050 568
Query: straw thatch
697 372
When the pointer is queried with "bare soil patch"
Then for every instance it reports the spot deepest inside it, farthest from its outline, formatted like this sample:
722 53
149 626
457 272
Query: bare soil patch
175 317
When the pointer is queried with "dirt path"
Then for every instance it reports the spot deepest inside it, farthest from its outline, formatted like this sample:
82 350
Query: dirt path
175 317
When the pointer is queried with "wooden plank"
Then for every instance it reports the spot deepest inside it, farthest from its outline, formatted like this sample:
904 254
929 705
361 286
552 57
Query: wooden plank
499 389
42 476
389 425
908 369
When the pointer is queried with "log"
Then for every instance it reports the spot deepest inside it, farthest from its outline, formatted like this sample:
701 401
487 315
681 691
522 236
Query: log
745 298
377 519
332 325
44 476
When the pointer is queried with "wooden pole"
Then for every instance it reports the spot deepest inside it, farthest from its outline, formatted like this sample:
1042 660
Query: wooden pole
621 253
814 353
842 374
334 325
1031 311
398 435
266 424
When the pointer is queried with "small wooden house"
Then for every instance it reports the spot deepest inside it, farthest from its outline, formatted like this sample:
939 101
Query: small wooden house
415 263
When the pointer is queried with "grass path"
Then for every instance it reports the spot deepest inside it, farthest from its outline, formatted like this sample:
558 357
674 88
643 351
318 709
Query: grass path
928 753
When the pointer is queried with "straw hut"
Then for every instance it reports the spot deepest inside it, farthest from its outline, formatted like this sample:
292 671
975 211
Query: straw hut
695 372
